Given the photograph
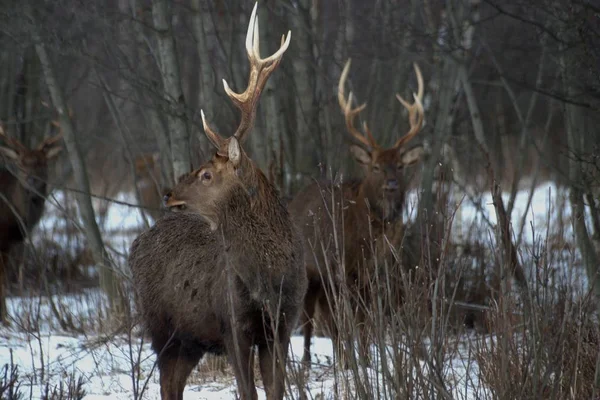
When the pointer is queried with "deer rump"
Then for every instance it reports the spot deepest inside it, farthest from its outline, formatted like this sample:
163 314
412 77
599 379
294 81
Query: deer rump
198 287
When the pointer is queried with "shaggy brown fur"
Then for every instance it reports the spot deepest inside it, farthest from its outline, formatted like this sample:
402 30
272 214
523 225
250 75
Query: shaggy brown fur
224 275
343 225
346 226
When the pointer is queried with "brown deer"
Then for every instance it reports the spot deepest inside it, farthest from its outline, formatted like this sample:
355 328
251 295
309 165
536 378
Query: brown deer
365 210
147 181
23 187
225 272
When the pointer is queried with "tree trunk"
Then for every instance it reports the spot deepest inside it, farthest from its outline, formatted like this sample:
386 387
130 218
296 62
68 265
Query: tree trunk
304 83
169 68
272 124
107 277
200 23
575 127
150 113
443 123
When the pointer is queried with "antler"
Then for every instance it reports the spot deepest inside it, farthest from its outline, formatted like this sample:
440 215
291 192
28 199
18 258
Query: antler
49 141
349 113
260 70
55 123
12 142
416 114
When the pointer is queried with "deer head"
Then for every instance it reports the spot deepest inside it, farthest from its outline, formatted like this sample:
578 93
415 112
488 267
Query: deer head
386 176
31 165
205 188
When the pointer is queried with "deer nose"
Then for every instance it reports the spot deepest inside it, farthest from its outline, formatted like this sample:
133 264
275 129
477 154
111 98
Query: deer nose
391 184
166 198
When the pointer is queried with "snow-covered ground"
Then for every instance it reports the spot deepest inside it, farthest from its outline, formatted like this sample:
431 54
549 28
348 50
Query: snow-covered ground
115 367
108 364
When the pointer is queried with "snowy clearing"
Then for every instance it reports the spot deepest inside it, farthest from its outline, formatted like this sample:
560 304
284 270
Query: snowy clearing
120 367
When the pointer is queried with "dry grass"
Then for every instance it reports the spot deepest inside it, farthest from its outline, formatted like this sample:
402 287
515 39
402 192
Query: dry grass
452 328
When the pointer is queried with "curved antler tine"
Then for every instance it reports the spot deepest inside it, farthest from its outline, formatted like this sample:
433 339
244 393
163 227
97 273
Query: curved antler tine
49 141
370 135
285 43
256 40
405 103
349 113
11 141
216 139
341 84
237 98
416 117
420 84
250 32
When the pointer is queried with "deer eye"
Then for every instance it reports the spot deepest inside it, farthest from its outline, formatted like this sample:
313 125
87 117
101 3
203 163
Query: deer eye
376 168
399 167
206 176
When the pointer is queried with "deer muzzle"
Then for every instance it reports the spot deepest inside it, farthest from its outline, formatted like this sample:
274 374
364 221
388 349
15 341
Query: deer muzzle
173 204
391 185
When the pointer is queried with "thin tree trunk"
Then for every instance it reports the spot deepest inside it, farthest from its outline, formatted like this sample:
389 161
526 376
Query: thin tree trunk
303 82
272 124
574 122
169 67
447 88
151 114
575 126
107 277
200 23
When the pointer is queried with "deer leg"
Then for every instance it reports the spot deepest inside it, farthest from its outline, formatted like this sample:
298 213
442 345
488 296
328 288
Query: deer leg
167 366
240 351
272 357
310 303
329 320
175 363
187 360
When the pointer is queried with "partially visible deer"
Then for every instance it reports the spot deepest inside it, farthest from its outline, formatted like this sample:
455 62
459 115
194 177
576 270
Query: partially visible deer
23 190
364 211
148 183
225 272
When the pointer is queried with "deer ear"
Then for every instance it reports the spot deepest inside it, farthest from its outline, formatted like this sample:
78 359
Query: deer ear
53 152
413 155
234 152
9 153
361 155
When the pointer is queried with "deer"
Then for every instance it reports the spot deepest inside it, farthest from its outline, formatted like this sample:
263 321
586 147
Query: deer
366 209
147 181
223 273
23 191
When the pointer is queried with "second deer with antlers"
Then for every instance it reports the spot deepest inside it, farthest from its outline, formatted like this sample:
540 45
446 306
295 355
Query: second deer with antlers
339 238
23 190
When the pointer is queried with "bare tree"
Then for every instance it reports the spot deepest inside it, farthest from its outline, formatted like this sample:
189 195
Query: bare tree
170 74
107 274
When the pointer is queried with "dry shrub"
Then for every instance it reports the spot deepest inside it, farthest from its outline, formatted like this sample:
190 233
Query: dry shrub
48 267
550 355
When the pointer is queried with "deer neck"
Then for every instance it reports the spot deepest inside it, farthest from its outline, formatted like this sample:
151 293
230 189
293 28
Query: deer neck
253 207
380 210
